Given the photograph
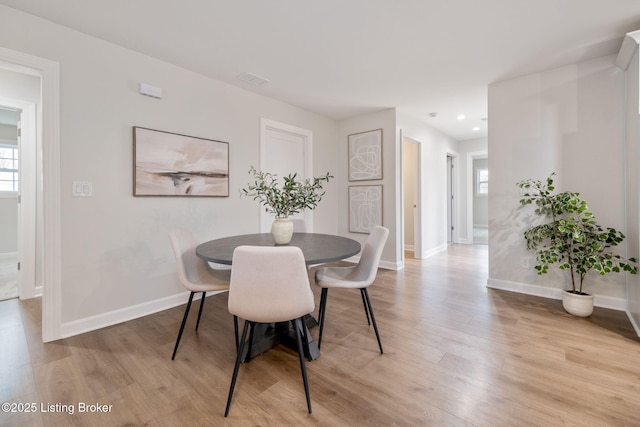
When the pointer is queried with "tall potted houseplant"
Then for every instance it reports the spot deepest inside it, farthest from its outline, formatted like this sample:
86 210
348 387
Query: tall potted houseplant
571 238
285 199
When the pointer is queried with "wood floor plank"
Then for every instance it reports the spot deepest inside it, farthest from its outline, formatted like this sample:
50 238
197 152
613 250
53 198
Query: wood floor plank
455 354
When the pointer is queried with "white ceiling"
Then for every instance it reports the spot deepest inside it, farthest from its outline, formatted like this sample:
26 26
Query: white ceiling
342 58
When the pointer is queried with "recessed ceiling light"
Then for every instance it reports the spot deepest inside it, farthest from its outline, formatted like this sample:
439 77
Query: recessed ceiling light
462 117
476 129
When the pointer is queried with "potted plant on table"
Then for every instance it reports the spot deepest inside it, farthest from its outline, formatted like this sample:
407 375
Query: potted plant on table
571 238
284 200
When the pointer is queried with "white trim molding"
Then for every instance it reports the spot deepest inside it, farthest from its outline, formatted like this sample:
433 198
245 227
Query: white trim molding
49 72
613 303
114 317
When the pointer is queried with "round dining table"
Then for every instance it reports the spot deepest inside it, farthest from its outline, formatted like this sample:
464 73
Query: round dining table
317 249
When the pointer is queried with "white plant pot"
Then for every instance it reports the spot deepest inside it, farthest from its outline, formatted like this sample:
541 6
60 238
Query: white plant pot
578 305
282 231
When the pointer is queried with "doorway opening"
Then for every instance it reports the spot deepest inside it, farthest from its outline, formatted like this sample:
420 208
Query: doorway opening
18 192
9 187
47 155
478 197
411 199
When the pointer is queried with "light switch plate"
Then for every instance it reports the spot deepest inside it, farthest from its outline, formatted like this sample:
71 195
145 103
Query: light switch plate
82 189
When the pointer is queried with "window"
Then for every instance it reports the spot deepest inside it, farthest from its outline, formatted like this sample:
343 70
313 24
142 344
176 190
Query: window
8 168
482 181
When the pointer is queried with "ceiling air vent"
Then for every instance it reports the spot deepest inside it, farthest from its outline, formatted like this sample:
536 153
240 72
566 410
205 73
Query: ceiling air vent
253 79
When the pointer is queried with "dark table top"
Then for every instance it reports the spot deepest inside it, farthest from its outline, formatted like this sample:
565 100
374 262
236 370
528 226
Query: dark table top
317 248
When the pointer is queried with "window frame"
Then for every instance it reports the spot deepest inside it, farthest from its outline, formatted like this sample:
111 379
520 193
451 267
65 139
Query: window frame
16 170
478 191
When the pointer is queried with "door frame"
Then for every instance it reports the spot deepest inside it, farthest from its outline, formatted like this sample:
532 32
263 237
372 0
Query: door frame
417 219
471 189
307 136
452 197
49 73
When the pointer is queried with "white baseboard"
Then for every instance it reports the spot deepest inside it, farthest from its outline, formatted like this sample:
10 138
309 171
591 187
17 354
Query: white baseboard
409 248
387 265
114 317
432 252
554 293
391 265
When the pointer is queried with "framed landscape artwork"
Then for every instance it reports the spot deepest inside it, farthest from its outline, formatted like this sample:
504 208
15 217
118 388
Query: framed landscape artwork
365 207
169 164
365 155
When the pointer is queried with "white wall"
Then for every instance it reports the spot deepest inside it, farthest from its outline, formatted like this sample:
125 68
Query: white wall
632 154
434 149
385 120
569 120
115 250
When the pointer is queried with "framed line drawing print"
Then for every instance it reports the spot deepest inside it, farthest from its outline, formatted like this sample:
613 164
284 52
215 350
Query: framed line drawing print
170 164
365 155
365 207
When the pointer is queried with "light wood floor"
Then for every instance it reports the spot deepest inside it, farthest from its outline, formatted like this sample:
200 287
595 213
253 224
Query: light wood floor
8 276
456 354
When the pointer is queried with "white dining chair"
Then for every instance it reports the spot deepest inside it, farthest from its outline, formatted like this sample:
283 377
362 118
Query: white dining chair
359 276
270 284
195 274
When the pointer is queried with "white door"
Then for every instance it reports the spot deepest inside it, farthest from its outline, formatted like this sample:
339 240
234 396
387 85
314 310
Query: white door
285 150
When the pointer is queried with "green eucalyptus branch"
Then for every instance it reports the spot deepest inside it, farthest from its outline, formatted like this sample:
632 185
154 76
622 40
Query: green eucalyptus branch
288 199
571 238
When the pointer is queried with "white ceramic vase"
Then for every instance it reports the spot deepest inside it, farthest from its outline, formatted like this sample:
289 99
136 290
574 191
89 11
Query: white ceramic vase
576 304
282 231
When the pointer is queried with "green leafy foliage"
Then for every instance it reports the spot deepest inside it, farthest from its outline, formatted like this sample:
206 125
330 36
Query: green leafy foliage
571 238
290 198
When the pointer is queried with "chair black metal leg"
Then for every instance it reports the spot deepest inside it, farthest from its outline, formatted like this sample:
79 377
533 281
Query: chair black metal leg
297 323
235 330
323 307
323 301
305 340
364 303
236 367
184 321
373 318
251 334
204 294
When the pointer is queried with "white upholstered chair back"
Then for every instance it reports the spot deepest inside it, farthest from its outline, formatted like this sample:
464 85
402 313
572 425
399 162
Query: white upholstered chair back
362 274
269 284
194 273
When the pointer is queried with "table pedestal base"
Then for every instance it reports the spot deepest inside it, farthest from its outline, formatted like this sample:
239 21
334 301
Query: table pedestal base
268 335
